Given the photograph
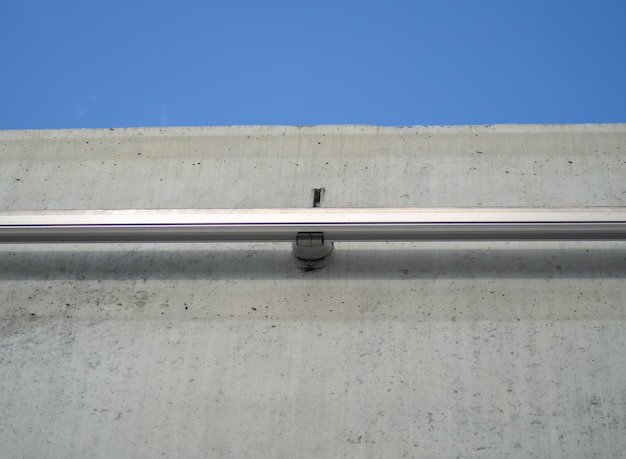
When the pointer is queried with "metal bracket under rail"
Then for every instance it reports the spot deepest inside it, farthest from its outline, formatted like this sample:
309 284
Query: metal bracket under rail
311 249
312 230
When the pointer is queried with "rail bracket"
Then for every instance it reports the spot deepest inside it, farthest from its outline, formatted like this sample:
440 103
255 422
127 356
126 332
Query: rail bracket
311 249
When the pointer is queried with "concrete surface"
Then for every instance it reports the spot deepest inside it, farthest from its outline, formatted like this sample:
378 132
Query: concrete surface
393 350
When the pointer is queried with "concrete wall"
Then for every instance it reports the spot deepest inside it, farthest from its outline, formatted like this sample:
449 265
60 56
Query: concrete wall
504 349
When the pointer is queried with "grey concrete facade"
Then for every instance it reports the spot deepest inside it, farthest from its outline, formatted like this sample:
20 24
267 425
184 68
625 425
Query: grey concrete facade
482 349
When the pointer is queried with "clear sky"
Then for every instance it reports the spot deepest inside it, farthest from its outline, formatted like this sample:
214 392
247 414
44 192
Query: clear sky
87 63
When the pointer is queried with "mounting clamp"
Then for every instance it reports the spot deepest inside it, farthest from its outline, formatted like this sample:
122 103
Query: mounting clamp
310 248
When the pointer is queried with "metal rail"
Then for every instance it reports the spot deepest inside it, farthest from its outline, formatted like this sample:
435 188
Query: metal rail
335 224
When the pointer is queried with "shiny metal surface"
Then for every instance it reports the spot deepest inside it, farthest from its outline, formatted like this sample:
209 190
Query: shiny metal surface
337 224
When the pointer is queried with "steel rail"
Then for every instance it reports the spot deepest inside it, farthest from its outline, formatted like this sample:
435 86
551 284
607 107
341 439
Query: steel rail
336 224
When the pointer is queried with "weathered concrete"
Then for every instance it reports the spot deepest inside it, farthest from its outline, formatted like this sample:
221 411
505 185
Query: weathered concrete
393 350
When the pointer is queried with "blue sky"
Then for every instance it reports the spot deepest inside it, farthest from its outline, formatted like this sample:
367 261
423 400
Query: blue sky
82 63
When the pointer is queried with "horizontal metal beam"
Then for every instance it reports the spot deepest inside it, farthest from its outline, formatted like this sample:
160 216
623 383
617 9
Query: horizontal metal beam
345 224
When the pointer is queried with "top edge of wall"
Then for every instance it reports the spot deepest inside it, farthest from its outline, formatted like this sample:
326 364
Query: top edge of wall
326 129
